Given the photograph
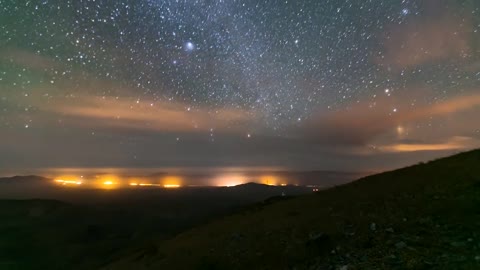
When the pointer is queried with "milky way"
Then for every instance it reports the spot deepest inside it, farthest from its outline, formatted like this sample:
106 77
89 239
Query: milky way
237 82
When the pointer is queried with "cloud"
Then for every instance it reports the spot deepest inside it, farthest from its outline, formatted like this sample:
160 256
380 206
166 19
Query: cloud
423 41
361 123
121 108
454 143
27 59
126 112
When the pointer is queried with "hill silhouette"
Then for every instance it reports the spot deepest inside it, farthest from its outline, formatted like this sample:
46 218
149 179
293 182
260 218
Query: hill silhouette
18 180
86 228
421 217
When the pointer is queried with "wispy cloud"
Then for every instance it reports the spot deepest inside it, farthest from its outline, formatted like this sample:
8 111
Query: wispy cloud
362 123
127 112
122 108
419 42
454 143
27 59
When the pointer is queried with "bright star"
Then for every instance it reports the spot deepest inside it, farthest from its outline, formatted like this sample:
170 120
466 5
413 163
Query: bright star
189 46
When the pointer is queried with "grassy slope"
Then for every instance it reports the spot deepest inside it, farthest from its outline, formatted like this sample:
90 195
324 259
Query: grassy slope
425 216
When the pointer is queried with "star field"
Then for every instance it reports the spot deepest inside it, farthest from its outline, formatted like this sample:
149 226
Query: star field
219 69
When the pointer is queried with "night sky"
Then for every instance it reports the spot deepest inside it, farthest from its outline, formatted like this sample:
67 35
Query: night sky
329 85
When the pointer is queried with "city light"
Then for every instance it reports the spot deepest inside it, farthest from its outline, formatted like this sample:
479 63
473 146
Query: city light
171 181
68 182
171 186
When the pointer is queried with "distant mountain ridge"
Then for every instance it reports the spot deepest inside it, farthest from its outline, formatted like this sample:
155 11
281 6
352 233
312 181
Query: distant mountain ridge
23 179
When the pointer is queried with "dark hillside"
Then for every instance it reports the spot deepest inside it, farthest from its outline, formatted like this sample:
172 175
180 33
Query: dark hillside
87 228
425 216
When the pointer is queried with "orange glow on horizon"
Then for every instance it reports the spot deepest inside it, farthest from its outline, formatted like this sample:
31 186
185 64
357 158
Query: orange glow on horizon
69 180
272 180
142 184
110 181
171 186
107 181
230 180
171 181
146 184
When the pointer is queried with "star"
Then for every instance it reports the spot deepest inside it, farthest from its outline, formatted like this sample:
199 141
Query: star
189 46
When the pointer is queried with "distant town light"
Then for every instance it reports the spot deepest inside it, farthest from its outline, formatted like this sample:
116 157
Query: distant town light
171 186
